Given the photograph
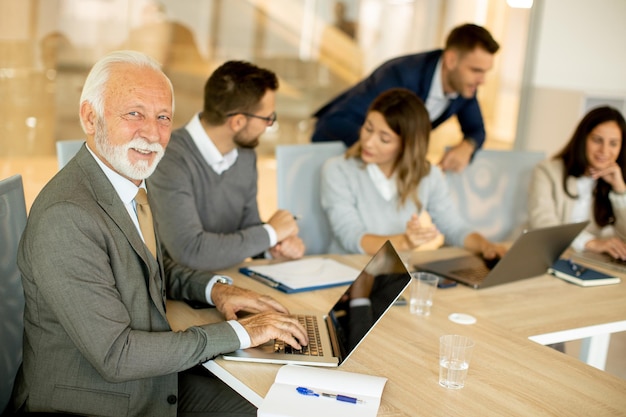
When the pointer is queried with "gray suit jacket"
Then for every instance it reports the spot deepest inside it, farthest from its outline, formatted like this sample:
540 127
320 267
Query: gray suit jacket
96 338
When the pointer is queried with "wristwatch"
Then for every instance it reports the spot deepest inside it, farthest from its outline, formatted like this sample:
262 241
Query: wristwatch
222 279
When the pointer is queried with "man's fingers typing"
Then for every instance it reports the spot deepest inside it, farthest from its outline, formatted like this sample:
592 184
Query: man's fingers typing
267 326
267 303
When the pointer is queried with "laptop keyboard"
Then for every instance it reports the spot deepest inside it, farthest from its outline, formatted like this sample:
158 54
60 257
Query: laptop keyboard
616 261
473 274
314 347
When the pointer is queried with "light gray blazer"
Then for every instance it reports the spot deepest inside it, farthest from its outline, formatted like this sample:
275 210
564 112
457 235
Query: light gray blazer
549 205
96 338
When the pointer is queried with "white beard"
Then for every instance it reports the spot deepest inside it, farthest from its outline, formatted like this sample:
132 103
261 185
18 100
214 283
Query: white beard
117 156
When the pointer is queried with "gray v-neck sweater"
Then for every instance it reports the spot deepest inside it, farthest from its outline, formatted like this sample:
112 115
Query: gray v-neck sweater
205 220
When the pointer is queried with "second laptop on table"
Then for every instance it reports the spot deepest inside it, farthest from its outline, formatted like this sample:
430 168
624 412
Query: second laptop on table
531 254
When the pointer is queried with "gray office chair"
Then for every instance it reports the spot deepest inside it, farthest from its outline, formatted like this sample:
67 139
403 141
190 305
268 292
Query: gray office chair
491 193
66 149
12 223
298 170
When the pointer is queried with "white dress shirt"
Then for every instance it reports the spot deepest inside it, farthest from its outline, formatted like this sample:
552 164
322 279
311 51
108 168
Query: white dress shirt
437 102
581 210
218 162
386 187
127 191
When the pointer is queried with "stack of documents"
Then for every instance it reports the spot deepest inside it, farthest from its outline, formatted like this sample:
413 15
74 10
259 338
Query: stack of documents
301 391
302 275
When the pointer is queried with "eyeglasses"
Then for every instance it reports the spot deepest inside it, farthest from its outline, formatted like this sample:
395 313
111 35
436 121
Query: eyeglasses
269 120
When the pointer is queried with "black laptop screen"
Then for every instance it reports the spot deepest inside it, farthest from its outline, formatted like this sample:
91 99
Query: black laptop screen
368 298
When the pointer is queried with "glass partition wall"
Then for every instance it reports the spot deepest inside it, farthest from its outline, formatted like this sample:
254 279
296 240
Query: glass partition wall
317 47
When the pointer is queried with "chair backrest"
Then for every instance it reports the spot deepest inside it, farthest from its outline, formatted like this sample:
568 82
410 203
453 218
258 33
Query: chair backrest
12 223
491 193
298 170
66 149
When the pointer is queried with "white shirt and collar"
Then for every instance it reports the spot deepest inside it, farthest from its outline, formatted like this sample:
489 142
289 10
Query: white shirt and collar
218 162
437 101
127 191
386 187
582 210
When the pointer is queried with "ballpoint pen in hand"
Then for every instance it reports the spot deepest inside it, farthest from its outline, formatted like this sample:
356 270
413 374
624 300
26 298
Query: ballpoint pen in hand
338 397
577 269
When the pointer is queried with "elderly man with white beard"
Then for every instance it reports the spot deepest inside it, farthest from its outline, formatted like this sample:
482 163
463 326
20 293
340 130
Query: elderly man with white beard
96 337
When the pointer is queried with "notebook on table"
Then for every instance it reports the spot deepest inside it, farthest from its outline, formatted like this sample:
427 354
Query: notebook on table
569 271
532 253
335 335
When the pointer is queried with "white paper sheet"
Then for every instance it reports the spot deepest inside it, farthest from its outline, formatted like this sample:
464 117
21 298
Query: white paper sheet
308 272
283 400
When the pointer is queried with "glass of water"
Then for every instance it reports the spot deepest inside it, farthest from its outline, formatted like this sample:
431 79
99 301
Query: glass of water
423 287
455 353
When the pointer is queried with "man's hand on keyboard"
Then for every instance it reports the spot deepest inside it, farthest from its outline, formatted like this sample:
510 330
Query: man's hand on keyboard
230 299
267 326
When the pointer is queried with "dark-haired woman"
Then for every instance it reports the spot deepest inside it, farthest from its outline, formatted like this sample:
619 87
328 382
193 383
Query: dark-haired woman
585 181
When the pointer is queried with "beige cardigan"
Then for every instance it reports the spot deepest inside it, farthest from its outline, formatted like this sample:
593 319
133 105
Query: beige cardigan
549 205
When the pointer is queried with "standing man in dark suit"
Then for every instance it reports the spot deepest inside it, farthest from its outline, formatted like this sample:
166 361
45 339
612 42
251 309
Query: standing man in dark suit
96 337
446 80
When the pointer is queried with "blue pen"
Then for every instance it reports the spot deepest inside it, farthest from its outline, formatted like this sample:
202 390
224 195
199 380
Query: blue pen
344 398
260 278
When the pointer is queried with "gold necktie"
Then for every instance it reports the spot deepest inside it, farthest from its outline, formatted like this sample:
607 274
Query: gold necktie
144 215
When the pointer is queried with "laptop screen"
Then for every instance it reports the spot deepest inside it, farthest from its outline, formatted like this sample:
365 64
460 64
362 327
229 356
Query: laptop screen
371 294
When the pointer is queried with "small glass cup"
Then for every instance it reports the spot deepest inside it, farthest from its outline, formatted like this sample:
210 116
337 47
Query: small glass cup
455 353
423 285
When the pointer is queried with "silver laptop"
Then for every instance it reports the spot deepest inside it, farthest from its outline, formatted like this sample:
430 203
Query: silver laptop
603 260
344 327
530 255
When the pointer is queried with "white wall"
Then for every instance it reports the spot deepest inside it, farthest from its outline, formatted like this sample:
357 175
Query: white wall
575 51
581 45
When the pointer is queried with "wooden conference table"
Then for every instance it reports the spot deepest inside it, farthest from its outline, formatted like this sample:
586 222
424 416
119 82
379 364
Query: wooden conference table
509 375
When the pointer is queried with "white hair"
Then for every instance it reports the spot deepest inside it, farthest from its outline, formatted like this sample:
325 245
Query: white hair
93 89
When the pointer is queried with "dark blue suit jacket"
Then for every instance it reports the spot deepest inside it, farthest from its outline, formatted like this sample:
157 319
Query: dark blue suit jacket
342 118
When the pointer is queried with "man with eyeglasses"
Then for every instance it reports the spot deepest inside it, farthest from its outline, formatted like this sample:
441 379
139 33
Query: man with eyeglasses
205 204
